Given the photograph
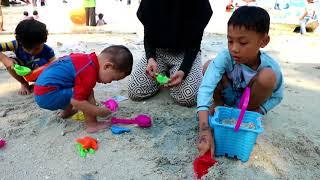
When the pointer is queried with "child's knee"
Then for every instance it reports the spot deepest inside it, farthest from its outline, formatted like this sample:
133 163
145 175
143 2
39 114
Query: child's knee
266 78
205 66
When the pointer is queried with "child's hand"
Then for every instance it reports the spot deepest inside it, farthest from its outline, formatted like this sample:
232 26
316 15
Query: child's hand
103 112
176 79
152 68
205 141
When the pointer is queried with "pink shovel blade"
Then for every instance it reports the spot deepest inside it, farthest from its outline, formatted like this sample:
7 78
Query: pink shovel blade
243 104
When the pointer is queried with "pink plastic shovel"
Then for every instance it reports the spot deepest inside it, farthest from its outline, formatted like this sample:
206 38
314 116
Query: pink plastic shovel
243 104
141 120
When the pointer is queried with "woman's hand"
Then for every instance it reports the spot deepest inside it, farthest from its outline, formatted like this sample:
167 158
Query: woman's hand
152 68
176 79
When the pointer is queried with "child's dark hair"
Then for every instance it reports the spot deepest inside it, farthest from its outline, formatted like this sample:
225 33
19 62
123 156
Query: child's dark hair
30 33
121 57
100 15
25 13
252 18
35 12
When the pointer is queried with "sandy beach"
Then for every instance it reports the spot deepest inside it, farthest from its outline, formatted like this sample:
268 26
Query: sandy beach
289 148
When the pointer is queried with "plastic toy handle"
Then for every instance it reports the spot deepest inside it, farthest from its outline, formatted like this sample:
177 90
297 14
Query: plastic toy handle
243 104
111 104
123 121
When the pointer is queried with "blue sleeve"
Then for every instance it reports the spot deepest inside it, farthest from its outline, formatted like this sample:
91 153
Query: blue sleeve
49 54
212 76
8 46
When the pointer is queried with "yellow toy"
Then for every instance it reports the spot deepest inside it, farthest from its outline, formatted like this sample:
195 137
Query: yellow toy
79 116
78 16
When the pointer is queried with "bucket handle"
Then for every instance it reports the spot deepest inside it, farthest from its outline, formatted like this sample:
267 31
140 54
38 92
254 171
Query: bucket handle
243 104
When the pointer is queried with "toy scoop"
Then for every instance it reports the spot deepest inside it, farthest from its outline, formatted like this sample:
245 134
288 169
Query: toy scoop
243 104
88 142
202 163
119 130
2 143
162 79
111 104
21 70
141 120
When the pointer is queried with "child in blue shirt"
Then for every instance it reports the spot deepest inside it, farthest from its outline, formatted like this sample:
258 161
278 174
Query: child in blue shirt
29 49
241 65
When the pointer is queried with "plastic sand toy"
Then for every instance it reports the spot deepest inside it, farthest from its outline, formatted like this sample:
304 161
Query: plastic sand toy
141 120
2 143
86 145
111 104
119 130
79 116
21 70
162 79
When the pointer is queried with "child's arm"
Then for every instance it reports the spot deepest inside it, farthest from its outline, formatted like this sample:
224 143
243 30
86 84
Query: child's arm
8 63
50 56
90 109
209 82
211 78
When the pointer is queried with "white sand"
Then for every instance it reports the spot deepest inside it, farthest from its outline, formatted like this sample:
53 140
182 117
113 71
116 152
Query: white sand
289 148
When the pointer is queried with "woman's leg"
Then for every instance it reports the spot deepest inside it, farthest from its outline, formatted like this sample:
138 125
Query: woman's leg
92 16
87 10
186 93
1 20
140 85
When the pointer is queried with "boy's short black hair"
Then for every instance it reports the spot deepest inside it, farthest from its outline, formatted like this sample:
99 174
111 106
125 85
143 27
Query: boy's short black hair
100 15
252 18
121 57
30 33
25 13
35 12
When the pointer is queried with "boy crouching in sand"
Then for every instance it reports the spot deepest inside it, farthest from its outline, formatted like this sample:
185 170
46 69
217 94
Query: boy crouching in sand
241 65
68 83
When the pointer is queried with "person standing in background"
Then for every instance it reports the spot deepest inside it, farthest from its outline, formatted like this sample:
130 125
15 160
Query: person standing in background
90 8
1 19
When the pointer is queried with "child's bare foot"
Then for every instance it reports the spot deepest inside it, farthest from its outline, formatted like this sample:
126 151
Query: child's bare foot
25 89
67 113
93 127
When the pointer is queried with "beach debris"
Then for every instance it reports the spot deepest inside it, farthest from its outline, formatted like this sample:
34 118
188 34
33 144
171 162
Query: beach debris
119 129
4 112
119 98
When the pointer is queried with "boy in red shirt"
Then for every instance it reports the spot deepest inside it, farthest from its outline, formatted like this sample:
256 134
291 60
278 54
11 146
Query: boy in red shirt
68 83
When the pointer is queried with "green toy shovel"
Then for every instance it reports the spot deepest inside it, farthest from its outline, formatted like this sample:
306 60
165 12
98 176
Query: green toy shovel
21 70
